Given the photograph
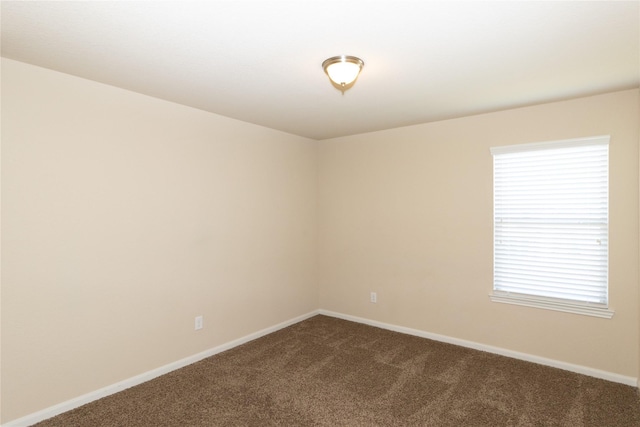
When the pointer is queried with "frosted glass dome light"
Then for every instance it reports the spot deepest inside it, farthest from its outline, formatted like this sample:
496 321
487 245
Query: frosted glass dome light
343 70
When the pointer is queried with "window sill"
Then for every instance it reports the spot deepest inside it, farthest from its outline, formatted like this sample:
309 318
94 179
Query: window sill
553 304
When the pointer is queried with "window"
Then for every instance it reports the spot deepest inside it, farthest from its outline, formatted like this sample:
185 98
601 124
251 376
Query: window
551 210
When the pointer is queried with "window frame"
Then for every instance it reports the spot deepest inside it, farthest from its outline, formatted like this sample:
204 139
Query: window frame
531 300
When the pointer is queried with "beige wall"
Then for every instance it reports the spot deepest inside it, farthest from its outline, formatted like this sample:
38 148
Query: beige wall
408 213
123 218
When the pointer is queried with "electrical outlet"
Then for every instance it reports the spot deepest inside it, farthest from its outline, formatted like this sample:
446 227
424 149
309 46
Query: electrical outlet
199 323
374 297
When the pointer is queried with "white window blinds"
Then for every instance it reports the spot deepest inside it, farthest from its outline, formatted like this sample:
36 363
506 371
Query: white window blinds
551 224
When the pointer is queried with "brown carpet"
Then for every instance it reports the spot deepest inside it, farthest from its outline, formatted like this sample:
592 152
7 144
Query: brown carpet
330 372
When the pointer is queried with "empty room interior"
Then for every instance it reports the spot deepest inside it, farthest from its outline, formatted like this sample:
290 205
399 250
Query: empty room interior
179 179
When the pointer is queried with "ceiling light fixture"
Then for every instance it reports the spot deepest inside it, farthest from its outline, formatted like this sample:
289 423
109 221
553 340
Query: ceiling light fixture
343 70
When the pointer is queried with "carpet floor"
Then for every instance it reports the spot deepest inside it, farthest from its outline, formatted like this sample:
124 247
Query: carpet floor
331 372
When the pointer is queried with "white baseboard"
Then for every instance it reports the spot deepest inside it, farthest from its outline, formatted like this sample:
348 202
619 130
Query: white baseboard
52 411
139 379
609 376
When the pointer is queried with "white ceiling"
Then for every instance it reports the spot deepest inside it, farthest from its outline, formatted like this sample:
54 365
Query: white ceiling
260 61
